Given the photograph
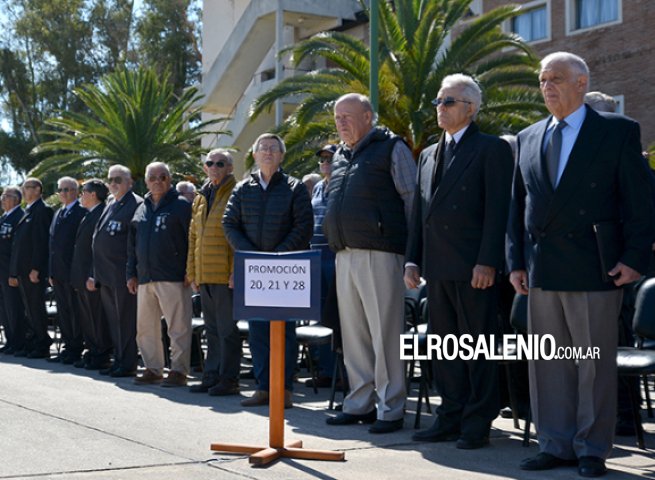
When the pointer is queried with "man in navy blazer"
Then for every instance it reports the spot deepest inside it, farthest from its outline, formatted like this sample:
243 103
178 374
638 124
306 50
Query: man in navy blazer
456 243
28 267
11 305
91 316
109 267
578 171
62 240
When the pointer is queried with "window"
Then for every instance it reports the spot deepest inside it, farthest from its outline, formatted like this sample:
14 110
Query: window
590 13
532 25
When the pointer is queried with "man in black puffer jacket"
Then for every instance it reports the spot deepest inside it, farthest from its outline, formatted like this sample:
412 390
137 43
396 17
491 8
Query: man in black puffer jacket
156 266
269 212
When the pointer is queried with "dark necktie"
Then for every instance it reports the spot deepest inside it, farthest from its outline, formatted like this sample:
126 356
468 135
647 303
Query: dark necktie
442 166
553 150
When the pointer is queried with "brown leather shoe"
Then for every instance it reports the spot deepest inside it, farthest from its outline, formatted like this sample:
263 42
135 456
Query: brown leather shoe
174 379
149 377
227 386
259 398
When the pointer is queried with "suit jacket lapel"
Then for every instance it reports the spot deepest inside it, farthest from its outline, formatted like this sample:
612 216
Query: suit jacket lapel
582 154
462 158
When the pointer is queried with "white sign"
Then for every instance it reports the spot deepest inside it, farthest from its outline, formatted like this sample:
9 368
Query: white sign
277 283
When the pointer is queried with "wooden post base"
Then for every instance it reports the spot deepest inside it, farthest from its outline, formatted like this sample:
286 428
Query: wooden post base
264 455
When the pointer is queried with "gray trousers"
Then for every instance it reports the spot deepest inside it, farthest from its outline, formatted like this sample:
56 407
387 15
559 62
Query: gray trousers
371 292
574 402
223 341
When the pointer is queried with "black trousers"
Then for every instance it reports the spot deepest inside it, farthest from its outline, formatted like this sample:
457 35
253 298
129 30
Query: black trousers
33 296
12 315
120 308
69 324
468 388
93 323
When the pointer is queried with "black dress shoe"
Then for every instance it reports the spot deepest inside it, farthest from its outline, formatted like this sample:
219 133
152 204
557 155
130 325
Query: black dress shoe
386 426
23 352
122 372
472 443
436 433
97 365
545 461
9 351
109 370
351 418
4 349
591 467
39 354
56 359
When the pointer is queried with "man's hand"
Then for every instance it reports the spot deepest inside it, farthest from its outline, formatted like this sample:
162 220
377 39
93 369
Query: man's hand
91 284
34 276
187 281
132 285
412 276
483 277
519 280
230 281
622 274
51 281
13 281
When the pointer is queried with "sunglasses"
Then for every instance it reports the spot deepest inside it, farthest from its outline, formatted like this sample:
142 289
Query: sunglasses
116 180
325 160
448 101
219 164
66 190
157 178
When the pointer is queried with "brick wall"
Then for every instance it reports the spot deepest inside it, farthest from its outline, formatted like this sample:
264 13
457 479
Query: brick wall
621 57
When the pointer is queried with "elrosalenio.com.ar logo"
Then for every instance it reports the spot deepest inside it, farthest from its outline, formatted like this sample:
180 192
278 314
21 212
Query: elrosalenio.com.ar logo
491 347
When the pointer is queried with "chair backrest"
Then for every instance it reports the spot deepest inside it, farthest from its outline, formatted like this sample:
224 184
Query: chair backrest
518 317
643 322
424 311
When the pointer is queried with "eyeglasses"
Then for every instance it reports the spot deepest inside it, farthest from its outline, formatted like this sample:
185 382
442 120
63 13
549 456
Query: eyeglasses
219 164
8 195
448 101
116 180
271 149
157 178
66 190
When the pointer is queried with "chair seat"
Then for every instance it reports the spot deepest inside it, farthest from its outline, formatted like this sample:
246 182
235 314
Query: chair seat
631 361
313 334
649 344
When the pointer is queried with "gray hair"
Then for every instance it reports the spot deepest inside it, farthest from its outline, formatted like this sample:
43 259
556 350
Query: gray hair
161 165
13 190
67 180
223 152
122 169
469 87
571 59
363 100
601 102
185 187
269 136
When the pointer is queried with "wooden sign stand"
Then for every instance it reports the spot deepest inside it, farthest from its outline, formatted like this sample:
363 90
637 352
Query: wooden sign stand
277 449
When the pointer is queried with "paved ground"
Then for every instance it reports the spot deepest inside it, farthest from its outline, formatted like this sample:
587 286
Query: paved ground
57 422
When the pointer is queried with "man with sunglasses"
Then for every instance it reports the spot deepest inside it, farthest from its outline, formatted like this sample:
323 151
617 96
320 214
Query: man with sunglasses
456 243
158 243
28 267
11 305
62 241
209 269
109 270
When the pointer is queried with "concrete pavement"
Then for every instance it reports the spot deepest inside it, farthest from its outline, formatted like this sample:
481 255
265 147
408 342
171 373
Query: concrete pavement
59 422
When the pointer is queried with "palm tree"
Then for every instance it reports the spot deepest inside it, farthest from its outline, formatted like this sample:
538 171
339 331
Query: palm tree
133 118
414 56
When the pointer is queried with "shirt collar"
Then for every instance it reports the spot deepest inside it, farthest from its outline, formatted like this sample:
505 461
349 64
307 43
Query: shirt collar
457 136
12 210
573 120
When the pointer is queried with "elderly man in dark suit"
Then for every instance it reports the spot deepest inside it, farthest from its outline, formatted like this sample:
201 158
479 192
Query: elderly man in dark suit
580 182
28 267
457 243
11 305
90 313
62 240
109 270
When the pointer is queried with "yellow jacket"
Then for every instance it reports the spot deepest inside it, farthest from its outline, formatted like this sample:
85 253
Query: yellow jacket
210 255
